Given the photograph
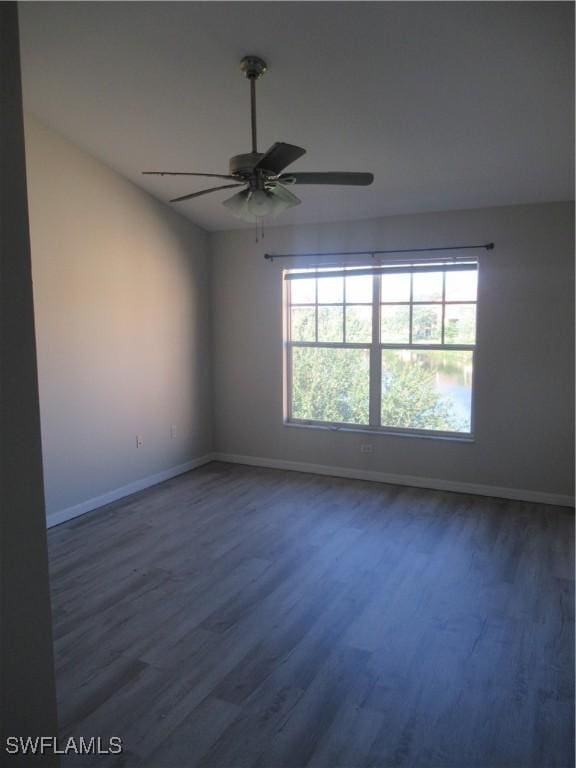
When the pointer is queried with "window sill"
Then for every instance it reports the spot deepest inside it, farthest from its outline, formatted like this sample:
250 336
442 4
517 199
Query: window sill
456 438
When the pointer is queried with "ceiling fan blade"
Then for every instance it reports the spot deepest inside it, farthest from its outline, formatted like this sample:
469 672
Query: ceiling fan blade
203 192
331 177
184 173
278 157
285 196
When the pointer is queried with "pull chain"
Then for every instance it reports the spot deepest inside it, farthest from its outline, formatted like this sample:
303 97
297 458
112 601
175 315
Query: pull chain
259 230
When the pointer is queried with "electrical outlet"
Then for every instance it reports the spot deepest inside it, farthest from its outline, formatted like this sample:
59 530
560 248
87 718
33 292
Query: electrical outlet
366 448
173 431
139 441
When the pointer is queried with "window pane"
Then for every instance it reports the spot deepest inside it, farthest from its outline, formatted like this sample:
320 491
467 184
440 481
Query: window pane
461 286
426 324
427 389
330 384
396 287
303 324
427 286
358 324
395 324
330 290
330 324
359 290
460 324
303 291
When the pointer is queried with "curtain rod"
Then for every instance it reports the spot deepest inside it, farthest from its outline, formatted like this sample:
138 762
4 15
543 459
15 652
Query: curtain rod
330 273
272 256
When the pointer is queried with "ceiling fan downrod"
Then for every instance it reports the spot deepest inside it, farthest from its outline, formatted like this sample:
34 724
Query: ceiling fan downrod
253 68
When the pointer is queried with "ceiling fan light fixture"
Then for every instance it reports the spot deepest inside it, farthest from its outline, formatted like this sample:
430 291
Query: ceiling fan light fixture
252 205
238 206
260 203
283 198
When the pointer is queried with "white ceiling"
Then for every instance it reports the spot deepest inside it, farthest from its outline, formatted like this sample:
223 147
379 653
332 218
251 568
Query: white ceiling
450 105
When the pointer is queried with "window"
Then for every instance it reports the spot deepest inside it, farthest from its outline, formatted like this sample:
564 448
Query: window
388 348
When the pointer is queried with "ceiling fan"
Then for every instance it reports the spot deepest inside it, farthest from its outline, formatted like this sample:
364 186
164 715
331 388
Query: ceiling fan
261 173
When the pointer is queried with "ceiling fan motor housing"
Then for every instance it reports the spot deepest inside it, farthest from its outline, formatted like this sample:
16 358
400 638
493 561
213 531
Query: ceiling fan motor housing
244 164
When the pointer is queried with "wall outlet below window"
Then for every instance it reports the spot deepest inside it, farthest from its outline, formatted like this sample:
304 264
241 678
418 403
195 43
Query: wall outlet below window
139 441
366 448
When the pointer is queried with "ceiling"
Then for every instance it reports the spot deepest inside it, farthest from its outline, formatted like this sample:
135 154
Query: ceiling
451 105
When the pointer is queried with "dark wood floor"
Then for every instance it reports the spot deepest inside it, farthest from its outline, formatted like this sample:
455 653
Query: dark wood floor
237 617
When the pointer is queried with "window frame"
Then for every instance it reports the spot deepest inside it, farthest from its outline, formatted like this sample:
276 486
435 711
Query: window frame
375 348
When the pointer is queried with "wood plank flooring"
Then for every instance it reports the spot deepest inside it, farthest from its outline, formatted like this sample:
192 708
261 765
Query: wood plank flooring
238 617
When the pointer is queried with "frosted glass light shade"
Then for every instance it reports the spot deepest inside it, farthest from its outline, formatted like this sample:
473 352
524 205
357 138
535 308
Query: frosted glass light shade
250 205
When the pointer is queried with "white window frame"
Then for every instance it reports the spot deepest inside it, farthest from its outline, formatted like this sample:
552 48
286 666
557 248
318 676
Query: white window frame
375 347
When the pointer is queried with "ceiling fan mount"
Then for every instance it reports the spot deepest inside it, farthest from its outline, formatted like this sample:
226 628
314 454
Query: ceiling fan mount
261 173
253 67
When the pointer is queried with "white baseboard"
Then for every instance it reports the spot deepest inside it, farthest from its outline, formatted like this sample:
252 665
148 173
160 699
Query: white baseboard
539 497
62 515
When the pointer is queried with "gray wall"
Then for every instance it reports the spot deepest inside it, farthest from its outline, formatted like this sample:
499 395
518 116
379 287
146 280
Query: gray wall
524 362
27 679
122 325
125 338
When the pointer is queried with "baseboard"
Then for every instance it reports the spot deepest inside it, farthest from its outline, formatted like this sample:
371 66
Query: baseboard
519 494
539 497
62 515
